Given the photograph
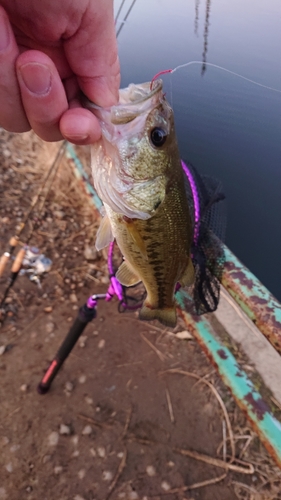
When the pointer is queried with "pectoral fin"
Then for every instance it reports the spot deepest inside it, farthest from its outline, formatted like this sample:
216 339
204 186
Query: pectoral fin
188 276
126 275
104 234
136 236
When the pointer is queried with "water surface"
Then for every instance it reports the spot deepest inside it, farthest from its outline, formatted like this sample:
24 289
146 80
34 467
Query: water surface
226 127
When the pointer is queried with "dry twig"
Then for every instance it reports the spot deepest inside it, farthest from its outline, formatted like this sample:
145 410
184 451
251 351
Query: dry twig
101 425
120 469
248 469
159 353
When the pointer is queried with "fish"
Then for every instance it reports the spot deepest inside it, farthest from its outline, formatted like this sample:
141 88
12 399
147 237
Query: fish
138 175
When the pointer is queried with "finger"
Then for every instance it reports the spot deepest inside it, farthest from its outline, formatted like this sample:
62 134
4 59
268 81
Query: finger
42 93
92 54
80 126
12 115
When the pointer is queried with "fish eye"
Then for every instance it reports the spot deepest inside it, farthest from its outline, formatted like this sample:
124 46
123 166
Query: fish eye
158 136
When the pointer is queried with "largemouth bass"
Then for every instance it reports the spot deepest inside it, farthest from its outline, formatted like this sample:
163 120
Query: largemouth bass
138 175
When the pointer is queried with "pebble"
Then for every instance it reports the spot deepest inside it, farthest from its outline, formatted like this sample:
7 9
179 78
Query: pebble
171 464
58 469
75 454
81 473
78 497
5 440
2 349
184 335
73 298
150 470
9 467
46 459
23 387
69 386
101 452
87 430
165 486
50 327
82 379
90 253
48 309
132 495
65 430
89 400
95 332
75 307
53 438
75 440
120 455
101 344
107 475
83 340
93 452
3 494
14 448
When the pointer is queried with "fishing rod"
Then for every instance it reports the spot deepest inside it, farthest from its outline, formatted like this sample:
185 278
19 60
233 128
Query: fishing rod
85 315
205 252
125 18
15 240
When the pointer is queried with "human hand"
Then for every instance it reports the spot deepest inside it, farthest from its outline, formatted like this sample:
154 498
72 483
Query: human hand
49 51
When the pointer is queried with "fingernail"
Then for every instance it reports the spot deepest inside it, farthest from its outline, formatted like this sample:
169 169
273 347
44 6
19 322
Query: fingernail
36 77
77 138
4 35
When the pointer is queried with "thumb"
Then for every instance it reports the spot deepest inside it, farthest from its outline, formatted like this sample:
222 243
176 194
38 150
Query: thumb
92 54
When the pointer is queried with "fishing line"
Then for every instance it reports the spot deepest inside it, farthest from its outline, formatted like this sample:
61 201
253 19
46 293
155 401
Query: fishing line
217 67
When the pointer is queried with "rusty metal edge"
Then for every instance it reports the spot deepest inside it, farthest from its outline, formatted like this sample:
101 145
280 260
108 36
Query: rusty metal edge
252 296
246 395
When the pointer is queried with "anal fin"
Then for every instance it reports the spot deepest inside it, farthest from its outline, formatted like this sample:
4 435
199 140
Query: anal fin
126 275
188 276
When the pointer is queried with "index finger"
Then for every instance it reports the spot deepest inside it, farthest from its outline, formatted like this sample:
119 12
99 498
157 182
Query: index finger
92 54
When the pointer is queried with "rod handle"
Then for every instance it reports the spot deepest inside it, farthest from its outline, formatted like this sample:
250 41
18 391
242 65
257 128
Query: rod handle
18 261
13 241
3 261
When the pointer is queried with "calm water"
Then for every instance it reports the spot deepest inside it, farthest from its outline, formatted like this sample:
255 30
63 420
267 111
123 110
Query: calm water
226 127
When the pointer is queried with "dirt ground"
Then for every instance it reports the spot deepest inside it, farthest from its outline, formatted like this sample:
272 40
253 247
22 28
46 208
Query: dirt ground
115 421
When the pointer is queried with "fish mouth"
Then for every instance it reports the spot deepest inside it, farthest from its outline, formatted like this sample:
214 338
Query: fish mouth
134 100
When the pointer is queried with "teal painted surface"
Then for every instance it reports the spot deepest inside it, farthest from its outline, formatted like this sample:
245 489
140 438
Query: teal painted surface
83 176
250 288
248 398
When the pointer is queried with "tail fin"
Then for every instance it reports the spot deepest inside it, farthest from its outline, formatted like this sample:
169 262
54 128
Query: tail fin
167 316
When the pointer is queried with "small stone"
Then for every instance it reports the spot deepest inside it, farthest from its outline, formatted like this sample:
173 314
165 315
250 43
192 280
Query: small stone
8 300
65 430
171 464
107 475
82 379
23 387
101 344
50 327
120 455
75 440
97 409
184 335
95 332
69 319
58 469
150 470
82 341
93 452
132 495
87 430
48 309
78 497
73 298
75 454
46 459
2 349
69 386
165 486
59 214
90 253
75 307
5 440
9 467
89 400
101 452
3 494
53 438
81 473
14 448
